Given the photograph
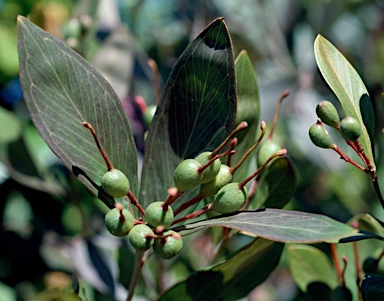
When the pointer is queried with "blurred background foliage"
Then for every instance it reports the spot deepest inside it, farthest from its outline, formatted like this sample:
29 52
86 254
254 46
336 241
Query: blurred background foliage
52 227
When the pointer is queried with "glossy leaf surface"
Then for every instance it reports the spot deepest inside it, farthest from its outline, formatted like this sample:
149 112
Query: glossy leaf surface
232 279
196 111
346 83
278 225
61 90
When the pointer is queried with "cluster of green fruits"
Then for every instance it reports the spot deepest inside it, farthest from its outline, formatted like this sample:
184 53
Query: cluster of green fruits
142 236
349 127
206 170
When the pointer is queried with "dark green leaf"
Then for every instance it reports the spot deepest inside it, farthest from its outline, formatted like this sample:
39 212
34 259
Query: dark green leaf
278 225
345 82
62 90
308 264
372 288
276 185
196 111
230 280
248 109
368 115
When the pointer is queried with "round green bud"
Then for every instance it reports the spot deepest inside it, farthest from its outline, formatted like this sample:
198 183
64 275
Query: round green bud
169 245
138 237
222 178
265 151
187 175
327 112
156 216
229 198
350 128
319 136
212 170
115 183
114 224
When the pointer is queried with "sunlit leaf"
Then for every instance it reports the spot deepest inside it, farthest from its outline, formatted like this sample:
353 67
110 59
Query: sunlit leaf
196 111
232 279
346 83
308 264
278 225
61 90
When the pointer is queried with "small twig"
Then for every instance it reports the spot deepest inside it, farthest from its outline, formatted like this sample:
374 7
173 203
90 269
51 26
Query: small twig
188 204
336 263
135 202
195 214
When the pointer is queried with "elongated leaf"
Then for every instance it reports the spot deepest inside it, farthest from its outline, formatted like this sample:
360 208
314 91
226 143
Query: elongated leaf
196 111
308 265
345 83
278 225
230 280
248 109
276 186
61 90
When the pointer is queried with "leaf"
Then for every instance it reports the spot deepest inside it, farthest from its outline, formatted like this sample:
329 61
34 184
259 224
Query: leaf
372 288
61 90
278 225
345 83
196 110
276 185
232 279
248 109
308 264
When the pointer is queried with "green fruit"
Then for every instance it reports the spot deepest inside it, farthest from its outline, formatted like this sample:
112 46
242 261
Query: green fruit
327 112
115 226
350 128
187 175
265 151
212 170
229 198
138 237
169 246
319 136
156 216
115 183
222 178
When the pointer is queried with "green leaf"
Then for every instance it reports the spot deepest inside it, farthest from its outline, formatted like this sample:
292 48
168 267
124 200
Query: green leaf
196 111
232 279
61 90
372 288
345 83
248 109
278 225
276 185
308 264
